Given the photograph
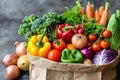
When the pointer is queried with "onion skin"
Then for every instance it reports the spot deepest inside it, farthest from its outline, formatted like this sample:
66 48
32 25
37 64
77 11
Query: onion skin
79 41
20 48
11 72
10 59
87 52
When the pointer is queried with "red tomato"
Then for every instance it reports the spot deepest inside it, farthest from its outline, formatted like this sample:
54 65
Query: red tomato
54 55
104 44
89 44
92 37
106 34
96 47
59 44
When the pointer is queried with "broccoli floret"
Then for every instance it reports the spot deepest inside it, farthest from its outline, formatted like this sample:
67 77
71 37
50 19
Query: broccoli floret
30 19
24 28
33 24
36 25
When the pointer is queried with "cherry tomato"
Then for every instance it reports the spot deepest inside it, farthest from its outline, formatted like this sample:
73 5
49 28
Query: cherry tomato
100 40
96 47
92 37
104 44
106 34
59 44
89 44
54 55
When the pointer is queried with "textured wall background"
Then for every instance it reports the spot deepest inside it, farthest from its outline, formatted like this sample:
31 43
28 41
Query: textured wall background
12 11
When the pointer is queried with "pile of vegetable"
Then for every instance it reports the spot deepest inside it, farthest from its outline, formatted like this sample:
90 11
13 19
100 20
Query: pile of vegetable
78 35
15 62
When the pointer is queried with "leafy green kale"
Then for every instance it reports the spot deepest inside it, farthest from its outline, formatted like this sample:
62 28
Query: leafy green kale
73 15
33 24
92 28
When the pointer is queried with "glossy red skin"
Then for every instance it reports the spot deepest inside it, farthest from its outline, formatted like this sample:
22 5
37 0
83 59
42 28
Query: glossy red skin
106 34
54 55
65 35
104 44
92 37
96 47
59 46
79 29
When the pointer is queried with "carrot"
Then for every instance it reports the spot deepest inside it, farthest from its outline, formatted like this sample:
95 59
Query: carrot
101 10
93 15
89 10
105 15
97 16
82 10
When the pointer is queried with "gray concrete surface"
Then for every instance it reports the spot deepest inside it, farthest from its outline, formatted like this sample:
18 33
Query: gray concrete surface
12 11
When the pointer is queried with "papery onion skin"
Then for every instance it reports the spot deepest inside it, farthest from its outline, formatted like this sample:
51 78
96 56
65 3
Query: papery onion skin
20 48
10 59
11 72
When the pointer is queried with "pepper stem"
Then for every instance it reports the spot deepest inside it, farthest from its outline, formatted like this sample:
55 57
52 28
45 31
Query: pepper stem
66 28
40 43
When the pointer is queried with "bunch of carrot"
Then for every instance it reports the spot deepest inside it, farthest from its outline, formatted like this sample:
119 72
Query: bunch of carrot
101 14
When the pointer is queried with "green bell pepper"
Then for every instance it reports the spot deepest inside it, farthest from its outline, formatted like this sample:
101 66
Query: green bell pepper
71 56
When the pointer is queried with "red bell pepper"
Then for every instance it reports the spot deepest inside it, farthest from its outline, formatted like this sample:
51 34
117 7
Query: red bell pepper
65 32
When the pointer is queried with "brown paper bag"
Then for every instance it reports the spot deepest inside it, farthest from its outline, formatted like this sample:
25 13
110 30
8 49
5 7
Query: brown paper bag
44 69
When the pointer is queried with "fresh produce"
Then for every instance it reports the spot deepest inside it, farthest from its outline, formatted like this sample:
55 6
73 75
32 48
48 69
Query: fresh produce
104 44
87 52
59 44
113 26
105 15
89 10
39 45
9 59
92 37
87 61
54 55
82 10
20 48
74 36
33 24
96 47
73 15
101 10
92 28
79 29
23 63
65 32
104 56
106 34
97 16
71 56
11 72
70 46
79 41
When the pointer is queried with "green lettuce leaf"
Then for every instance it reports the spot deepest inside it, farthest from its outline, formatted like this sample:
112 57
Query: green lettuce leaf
114 27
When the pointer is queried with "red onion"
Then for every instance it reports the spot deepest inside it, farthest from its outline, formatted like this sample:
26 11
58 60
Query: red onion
87 52
20 48
10 59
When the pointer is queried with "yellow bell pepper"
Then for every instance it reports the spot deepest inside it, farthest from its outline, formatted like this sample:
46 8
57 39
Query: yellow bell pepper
39 45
